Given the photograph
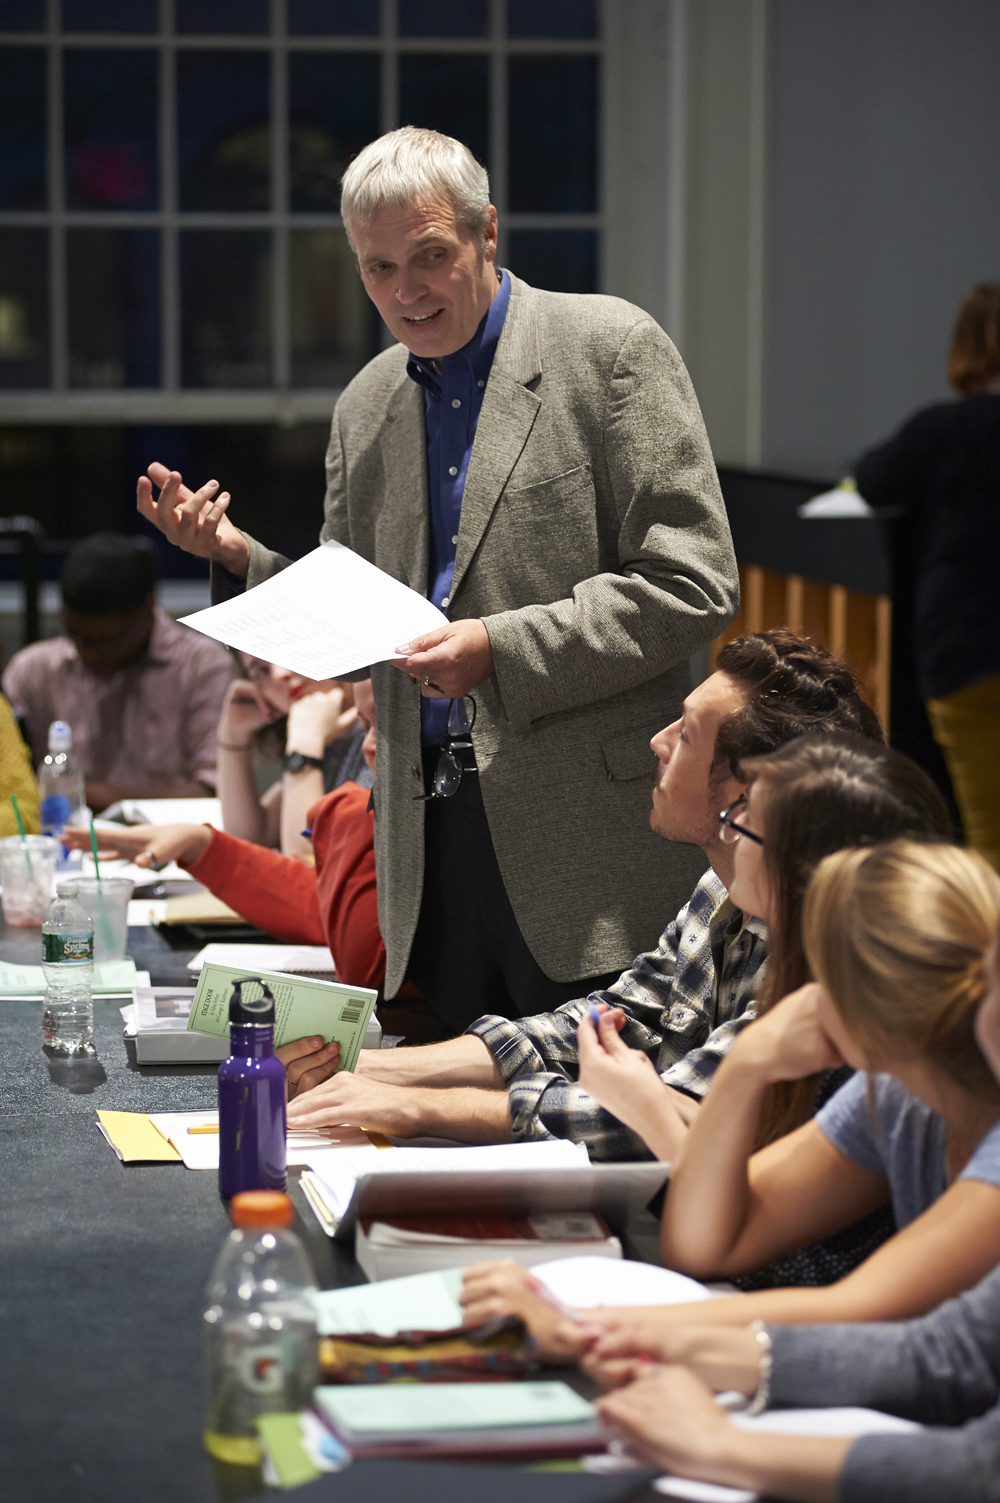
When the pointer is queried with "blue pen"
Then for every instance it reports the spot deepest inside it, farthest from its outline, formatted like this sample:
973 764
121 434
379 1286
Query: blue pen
306 834
593 1013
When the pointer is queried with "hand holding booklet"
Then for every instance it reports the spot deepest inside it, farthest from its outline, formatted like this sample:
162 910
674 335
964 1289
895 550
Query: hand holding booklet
302 1006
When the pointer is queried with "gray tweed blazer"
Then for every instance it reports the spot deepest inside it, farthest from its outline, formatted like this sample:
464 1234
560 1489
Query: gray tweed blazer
594 544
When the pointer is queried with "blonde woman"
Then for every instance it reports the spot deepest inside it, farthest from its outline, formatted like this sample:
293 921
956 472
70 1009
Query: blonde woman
895 936
942 1370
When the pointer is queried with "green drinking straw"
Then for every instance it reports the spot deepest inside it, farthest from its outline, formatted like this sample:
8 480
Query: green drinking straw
105 919
93 848
24 838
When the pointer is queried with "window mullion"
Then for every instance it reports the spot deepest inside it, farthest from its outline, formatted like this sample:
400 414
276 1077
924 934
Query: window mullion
281 355
498 121
170 292
58 312
389 17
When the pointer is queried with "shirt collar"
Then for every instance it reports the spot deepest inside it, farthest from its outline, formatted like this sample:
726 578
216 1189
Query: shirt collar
477 354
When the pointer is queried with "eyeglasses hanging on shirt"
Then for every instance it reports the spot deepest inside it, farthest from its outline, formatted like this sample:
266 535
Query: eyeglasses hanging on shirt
458 737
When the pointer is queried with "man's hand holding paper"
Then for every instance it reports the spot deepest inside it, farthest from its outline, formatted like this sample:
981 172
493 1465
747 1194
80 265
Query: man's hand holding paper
450 662
328 615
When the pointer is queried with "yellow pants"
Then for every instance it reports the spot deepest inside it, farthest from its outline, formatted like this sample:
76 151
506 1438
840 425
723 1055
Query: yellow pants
966 726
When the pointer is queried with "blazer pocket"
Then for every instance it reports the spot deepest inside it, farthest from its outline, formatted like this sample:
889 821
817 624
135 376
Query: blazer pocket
627 758
548 537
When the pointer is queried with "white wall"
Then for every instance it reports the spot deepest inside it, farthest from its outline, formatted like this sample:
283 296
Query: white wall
802 191
882 209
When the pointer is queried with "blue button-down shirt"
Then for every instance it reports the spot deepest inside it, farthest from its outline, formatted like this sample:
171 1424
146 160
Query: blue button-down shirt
453 399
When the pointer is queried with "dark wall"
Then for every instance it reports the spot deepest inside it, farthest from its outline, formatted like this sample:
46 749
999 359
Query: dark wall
79 480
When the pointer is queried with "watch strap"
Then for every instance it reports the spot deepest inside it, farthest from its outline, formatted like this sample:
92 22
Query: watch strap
296 761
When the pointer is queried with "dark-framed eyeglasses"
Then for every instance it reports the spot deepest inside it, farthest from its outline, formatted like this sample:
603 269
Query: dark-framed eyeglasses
730 831
458 737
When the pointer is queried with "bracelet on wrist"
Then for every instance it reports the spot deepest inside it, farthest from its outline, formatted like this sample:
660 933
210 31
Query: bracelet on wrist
762 1393
233 745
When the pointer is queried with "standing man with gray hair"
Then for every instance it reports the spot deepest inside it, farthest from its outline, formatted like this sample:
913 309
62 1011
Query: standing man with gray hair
536 463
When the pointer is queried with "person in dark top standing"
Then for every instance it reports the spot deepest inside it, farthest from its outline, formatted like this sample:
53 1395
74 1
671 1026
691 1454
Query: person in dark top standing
941 472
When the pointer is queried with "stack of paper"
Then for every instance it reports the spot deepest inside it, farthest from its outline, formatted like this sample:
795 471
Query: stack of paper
304 960
391 1249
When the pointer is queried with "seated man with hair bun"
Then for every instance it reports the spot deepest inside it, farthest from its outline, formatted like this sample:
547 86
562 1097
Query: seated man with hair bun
141 694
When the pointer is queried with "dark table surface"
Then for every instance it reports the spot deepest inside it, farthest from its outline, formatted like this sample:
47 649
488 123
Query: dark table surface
104 1267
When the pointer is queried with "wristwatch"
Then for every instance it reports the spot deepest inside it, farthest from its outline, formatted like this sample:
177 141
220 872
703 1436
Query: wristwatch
295 761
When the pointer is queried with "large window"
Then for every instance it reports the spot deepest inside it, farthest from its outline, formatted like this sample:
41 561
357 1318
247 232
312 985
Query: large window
170 243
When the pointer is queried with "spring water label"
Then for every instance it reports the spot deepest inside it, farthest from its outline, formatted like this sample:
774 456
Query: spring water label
57 948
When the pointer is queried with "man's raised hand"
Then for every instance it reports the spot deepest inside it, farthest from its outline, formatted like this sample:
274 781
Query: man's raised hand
195 521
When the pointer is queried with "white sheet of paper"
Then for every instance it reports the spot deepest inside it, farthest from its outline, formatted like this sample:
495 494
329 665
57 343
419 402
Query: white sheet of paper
304 1145
271 957
337 1178
586 1281
329 614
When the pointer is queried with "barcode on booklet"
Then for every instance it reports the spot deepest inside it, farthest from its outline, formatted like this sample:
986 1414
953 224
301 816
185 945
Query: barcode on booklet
351 1012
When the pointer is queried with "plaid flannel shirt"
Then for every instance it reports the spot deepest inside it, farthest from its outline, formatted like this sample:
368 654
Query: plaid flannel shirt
684 1004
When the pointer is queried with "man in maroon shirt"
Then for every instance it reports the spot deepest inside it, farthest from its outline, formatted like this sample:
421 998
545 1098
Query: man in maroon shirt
141 694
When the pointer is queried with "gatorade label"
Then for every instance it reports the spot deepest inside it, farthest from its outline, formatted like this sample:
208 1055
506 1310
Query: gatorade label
262 1369
67 947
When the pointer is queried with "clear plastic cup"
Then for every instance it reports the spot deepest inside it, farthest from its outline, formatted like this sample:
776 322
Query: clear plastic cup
107 905
27 871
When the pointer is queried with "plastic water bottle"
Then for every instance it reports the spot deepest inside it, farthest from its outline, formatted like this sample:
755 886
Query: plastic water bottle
60 783
261 1344
251 1095
68 963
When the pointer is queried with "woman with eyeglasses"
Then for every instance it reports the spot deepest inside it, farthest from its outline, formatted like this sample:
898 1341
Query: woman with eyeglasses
814 796
309 725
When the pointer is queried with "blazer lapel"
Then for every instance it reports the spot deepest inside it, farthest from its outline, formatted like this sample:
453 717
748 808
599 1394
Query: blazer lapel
402 528
508 414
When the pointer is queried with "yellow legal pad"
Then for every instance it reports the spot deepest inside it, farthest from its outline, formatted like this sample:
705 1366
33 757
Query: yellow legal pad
135 1140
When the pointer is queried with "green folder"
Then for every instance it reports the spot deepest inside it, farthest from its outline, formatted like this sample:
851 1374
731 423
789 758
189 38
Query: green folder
391 1409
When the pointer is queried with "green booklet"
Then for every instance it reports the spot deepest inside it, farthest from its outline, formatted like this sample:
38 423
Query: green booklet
29 980
301 1007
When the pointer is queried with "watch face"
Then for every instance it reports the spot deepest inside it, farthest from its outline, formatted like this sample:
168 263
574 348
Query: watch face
295 761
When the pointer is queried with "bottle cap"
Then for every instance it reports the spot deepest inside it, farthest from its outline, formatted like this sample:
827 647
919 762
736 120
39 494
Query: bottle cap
252 1001
261 1208
60 736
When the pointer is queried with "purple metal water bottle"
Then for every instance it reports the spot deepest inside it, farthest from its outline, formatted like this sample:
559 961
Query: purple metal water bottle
251 1095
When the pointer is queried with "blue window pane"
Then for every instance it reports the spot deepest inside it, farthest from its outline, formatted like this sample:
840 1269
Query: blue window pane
24 307
22 15
226 308
22 128
223 130
442 18
333 109
109 15
113 282
335 18
449 94
334 328
553 135
218 16
110 117
551 18
558 260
